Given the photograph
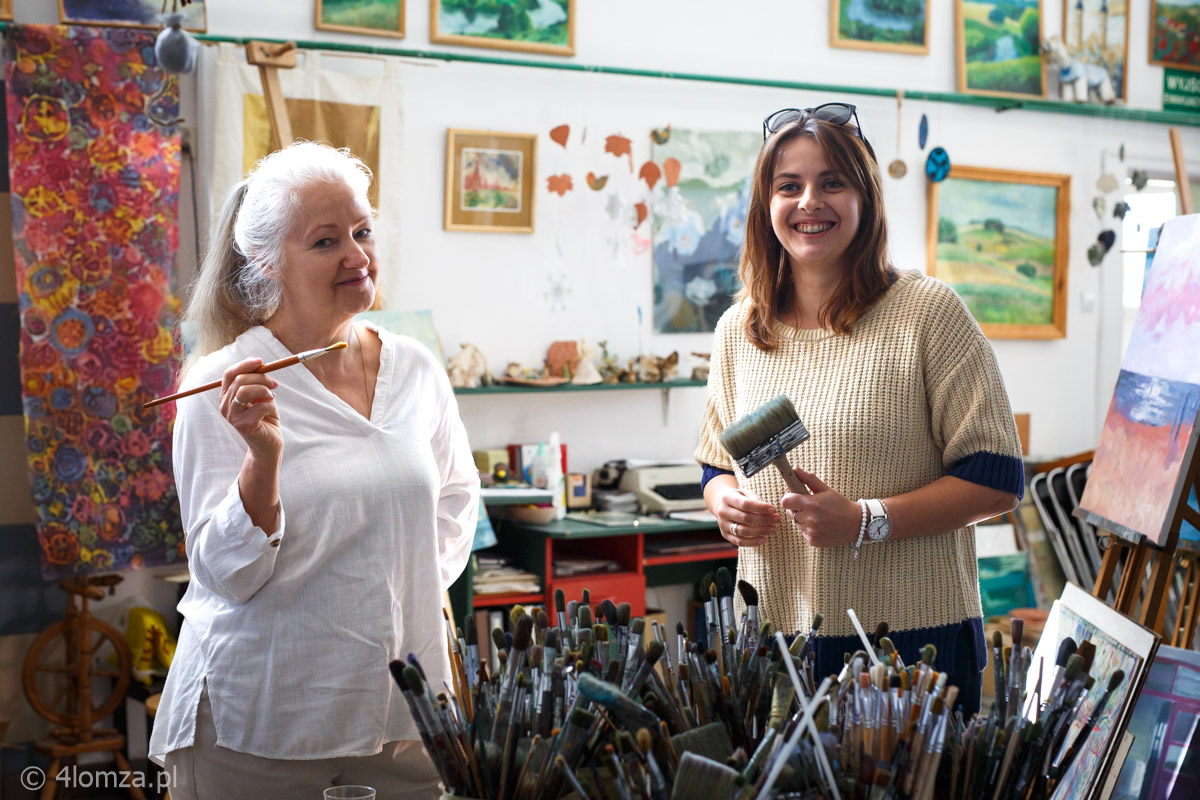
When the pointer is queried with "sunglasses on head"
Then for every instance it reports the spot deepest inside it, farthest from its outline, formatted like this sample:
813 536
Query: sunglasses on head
837 113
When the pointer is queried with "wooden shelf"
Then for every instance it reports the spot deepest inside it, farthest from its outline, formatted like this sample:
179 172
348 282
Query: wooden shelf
689 558
495 600
570 387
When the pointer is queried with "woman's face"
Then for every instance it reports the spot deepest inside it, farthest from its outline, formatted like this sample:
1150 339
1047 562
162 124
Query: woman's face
815 211
329 268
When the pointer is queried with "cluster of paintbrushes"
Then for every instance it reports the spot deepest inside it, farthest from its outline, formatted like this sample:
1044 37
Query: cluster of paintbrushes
589 702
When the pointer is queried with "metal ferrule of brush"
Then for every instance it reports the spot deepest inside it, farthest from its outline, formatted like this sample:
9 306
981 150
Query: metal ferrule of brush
634 658
472 666
779 444
727 618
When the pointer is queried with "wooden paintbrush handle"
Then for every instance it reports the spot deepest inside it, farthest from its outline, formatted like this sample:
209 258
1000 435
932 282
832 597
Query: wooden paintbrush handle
794 484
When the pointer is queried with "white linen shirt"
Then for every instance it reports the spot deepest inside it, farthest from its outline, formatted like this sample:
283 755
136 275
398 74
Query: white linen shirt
293 632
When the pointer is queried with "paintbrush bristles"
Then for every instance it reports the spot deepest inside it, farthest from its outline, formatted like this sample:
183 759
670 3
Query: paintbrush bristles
749 432
748 592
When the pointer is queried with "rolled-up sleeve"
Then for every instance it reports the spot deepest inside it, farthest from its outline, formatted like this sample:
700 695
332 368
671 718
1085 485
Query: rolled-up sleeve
227 553
458 501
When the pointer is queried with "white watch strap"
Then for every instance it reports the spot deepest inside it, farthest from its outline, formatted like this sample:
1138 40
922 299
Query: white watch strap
877 509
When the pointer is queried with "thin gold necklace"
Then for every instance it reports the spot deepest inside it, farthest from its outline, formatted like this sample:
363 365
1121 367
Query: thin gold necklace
363 360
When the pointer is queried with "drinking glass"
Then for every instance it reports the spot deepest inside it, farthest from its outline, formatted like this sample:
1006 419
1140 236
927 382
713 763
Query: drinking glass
349 793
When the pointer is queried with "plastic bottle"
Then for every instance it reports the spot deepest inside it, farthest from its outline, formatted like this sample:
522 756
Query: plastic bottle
555 480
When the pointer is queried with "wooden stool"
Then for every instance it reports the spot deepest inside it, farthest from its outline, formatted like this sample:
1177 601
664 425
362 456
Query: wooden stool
152 711
103 740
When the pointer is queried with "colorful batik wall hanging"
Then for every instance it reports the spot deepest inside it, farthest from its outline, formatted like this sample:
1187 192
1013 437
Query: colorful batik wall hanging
94 189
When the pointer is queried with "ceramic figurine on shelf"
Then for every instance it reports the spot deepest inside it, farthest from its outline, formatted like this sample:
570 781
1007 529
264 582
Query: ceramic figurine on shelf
652 369
562 359
586 373
610 370
468 368
700 371
1077 80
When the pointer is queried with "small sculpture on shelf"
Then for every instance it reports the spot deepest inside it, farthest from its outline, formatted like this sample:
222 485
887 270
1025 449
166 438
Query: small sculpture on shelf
653 369
561 359
1077 81
586 373
468 368
700 371
610 369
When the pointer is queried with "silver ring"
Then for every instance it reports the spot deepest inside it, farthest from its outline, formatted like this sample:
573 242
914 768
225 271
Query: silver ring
733 529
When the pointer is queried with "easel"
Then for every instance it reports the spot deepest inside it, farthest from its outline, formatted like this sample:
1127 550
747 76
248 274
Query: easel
270 58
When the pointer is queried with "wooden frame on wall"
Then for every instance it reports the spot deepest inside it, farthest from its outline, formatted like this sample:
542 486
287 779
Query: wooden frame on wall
860 38
1074 42
1168 45
1012 277
6 9
367 30
560 47
993 78
101 15
490 181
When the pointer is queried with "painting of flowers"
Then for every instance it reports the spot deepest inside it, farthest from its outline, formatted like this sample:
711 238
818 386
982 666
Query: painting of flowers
999 47
1175 33
1149 436
699 226
537 26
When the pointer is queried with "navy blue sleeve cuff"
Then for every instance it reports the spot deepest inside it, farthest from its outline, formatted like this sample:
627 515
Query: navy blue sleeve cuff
994 471
711 472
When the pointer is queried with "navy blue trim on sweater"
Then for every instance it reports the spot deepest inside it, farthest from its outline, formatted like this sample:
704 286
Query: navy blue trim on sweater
961 651
709 473
994 471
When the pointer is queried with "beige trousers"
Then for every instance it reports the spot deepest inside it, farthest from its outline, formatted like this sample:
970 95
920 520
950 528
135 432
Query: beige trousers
205 771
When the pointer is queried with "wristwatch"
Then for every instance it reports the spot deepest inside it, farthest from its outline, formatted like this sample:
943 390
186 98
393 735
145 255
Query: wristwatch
879 527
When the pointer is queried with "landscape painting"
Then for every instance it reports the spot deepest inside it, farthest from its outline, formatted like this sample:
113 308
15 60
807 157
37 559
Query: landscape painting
699 227
999 238
538 26
489 181
1174 33
999 48
897 26
128 13
1139 473
1097 32
370 17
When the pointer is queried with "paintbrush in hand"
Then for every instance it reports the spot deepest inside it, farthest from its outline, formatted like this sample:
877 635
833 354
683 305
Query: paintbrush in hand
765 436
299 358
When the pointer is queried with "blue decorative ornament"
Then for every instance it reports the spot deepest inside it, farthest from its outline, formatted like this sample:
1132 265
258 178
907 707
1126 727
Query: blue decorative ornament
937 166
923 131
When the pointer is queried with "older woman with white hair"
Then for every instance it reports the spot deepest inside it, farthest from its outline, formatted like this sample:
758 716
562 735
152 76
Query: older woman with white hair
326 506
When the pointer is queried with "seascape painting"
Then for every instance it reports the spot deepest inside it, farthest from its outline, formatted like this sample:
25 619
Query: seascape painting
1149 436
491 180
371 17
132 13
999 242
999 47
1175 33
699 227
545 26
1097 32
898 26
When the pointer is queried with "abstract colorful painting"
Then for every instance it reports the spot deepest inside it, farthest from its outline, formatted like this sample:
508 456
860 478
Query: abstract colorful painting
1097 32
1149 437
536 26
894 26
1175 33
370 17
999 47
699 226
490 181
999 239
132 13
1121 644
94 191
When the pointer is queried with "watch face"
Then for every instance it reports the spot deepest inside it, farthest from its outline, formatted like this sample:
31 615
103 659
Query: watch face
879 529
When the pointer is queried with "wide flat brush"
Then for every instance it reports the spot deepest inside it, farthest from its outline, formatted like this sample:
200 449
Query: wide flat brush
765 436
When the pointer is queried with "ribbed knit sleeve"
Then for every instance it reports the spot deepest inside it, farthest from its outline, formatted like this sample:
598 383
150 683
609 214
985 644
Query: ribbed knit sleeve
718 409
970 416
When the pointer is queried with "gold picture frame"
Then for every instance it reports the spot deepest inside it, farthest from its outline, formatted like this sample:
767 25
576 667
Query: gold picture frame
1165 38
839 36
980 76
560 32
1074 18
6 9
1004 248
152 7
321 24
490 181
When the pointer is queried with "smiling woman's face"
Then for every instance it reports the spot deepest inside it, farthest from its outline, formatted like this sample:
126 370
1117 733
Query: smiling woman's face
815 212
329 268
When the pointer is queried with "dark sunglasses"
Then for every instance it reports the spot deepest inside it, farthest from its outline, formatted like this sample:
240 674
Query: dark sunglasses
837 113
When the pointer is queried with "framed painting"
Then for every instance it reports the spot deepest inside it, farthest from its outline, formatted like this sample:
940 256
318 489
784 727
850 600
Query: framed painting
1121 644
535 26
1174 31
1000 239
490 180
130 13
370 17
999 48
1096 32
1139 474
893 26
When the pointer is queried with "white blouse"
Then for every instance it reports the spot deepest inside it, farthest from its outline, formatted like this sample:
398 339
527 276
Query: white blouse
293 632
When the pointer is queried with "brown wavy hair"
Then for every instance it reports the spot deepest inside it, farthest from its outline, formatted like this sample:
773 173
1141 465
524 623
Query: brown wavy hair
766 276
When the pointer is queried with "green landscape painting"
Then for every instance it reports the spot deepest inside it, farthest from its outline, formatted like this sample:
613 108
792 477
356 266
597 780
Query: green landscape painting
367 16
999 48
895 25
996 247
534 25
1175 33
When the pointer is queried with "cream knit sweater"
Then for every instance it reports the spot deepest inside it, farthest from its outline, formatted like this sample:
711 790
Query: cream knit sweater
911 395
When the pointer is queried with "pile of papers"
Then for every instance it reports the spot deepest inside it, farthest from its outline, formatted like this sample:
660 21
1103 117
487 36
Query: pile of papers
499 575
567 567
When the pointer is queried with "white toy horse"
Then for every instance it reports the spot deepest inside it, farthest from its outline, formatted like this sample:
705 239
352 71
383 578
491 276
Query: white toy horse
1075 78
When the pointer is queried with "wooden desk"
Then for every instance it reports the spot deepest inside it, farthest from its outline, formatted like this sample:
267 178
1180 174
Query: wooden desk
537 547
